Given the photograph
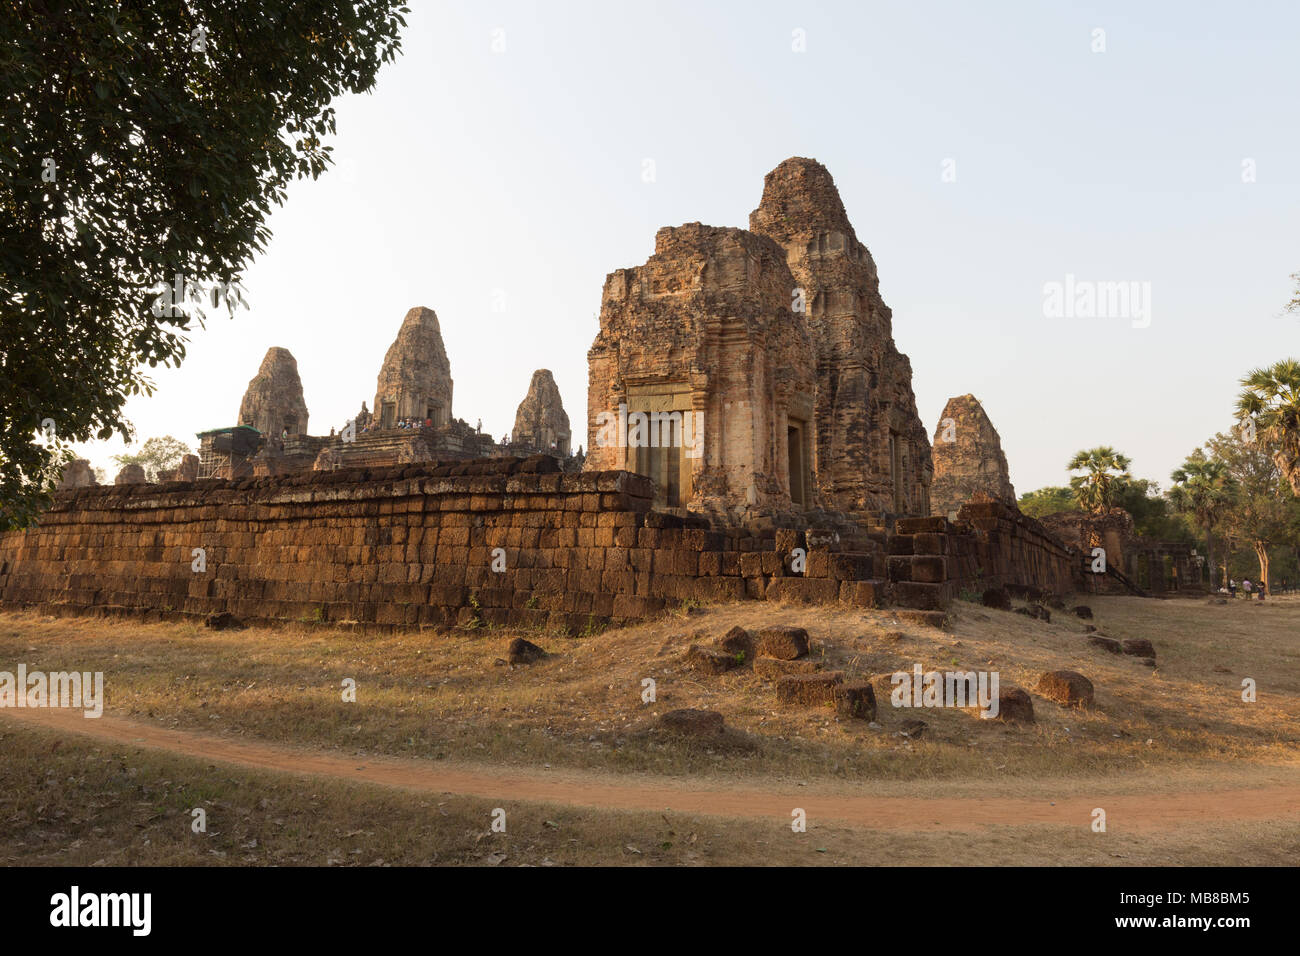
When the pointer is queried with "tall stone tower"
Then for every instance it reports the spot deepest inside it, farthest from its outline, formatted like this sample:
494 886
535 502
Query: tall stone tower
702 378
968 458
775 339
273 403
415 380
872 453
540 420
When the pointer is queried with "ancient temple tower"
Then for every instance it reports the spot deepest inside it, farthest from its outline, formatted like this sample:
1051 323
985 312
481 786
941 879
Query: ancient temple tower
703 378
273 403
872 451
779 336
415 380
540 420
968 458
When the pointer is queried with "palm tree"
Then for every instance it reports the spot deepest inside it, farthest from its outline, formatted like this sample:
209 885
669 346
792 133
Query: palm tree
1097 489
1269 410
1204 488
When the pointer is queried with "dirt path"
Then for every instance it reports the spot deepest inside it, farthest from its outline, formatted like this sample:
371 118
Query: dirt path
1137 811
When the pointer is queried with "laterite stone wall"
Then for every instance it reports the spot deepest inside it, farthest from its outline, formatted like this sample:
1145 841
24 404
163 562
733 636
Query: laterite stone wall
407 547
991 544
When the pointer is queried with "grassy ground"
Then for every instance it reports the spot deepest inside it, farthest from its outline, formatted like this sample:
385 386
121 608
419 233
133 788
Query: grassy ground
67 801
442 696
73 800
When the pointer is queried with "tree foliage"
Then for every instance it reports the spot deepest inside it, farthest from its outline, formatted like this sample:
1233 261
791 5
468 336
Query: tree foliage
1204 489
1105 472
156 455
140 142
1047 501
1269 410
1262 512
1154 516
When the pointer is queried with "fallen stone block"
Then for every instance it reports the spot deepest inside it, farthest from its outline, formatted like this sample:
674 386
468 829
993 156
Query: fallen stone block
1139 647
707 660
773 668
737 641
856 700
1066 687
1108 644
523 652
783 642
1083 611
808 689
1014 705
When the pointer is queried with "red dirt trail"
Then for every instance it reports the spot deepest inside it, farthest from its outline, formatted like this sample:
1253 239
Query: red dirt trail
1136 811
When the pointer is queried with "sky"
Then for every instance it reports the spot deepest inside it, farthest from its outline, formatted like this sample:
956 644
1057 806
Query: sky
517 153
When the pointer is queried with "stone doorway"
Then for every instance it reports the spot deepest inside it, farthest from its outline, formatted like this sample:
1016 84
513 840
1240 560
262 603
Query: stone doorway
797 462
655 440
897 472
662 460
388 415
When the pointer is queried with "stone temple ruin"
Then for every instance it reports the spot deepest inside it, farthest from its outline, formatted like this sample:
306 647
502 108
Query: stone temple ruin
763 363
412 419
1134 563
540 422
273 403
415 380
968 459
752 433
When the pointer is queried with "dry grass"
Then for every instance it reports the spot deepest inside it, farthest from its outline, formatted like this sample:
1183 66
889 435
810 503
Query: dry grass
440 696
69 802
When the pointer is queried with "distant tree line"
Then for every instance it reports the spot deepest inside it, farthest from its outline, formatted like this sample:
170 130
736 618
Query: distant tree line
1238 495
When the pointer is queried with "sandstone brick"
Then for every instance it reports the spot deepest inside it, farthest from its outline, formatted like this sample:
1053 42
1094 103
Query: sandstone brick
782 642
809 689
1066 687
856 700
708 660
772 668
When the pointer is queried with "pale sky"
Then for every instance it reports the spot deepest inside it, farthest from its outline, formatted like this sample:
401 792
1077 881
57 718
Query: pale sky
472 176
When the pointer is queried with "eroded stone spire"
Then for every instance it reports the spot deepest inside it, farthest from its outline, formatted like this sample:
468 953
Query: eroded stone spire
415 379
273 403
968 458
540 420
872 453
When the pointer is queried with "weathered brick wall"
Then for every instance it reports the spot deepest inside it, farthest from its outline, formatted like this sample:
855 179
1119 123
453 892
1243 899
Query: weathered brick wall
407 547
932 560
